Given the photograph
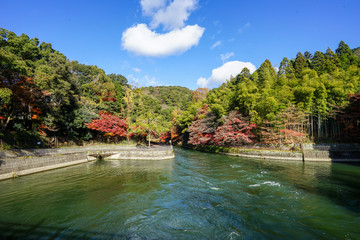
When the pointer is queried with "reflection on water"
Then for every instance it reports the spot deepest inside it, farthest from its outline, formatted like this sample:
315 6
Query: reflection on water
194 196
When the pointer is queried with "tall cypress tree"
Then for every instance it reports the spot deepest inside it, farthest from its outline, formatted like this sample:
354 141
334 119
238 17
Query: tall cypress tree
346 56
332 61
286 68
266 73
299 64
319 62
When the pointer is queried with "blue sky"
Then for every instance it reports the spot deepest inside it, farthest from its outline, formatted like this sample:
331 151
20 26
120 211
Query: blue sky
187 43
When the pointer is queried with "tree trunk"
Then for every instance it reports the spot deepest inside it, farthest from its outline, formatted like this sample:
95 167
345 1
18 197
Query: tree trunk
319 125
326 129
312 126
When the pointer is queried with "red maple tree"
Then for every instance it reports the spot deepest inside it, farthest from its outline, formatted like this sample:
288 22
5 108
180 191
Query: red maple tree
24 101
236 130
202 130
165 136
110 124
290 126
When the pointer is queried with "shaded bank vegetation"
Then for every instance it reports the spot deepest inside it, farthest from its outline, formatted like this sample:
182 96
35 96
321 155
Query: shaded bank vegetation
45 98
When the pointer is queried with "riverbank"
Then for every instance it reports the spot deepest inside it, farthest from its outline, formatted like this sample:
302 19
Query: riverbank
19 162
306 152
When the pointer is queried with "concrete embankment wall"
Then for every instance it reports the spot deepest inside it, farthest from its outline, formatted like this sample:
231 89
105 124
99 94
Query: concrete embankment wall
15 163
151 154
332 152
266 154
14 167
310 152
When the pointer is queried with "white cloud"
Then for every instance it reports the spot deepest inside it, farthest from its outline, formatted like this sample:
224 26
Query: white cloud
141 40
226 56
133 80
150 7
170 17
151 81
221 74
246 26
136 69
143 81
217 44
202 82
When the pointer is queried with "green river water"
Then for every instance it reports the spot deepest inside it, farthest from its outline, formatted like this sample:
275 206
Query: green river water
194 196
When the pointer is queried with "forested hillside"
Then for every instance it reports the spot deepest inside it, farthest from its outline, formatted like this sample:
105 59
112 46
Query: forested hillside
45 98
170 96
356 52
310 97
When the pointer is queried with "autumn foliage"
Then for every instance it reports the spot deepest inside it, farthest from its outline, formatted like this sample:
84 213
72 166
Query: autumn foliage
165 137
290 126
236 130
109 124
233 130
44 96
24 100
202 129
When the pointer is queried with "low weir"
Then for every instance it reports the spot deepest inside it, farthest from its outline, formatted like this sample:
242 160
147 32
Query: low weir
14 163
153 153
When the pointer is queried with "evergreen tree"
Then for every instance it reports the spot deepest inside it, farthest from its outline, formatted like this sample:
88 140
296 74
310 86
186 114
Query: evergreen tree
332 61
267 74
286 68
308 55
345 55
299 64
319 62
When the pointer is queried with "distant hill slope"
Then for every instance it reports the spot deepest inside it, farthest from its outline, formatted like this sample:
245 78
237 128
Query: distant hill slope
356 52
170 96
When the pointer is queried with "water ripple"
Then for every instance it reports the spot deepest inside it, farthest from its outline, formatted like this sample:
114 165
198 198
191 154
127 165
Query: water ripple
194 196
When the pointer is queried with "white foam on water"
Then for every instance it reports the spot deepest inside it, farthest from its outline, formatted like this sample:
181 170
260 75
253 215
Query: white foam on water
254 185
215 188
271 183
235 234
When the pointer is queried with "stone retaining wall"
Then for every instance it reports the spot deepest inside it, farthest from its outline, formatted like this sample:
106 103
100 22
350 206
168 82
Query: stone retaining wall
57 151
159 154
21 162
311 152
266 154
18 166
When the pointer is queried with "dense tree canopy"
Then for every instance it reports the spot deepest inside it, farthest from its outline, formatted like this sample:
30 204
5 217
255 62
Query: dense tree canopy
302 101
45 96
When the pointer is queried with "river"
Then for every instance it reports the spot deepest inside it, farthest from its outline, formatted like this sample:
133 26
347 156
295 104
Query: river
194 196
